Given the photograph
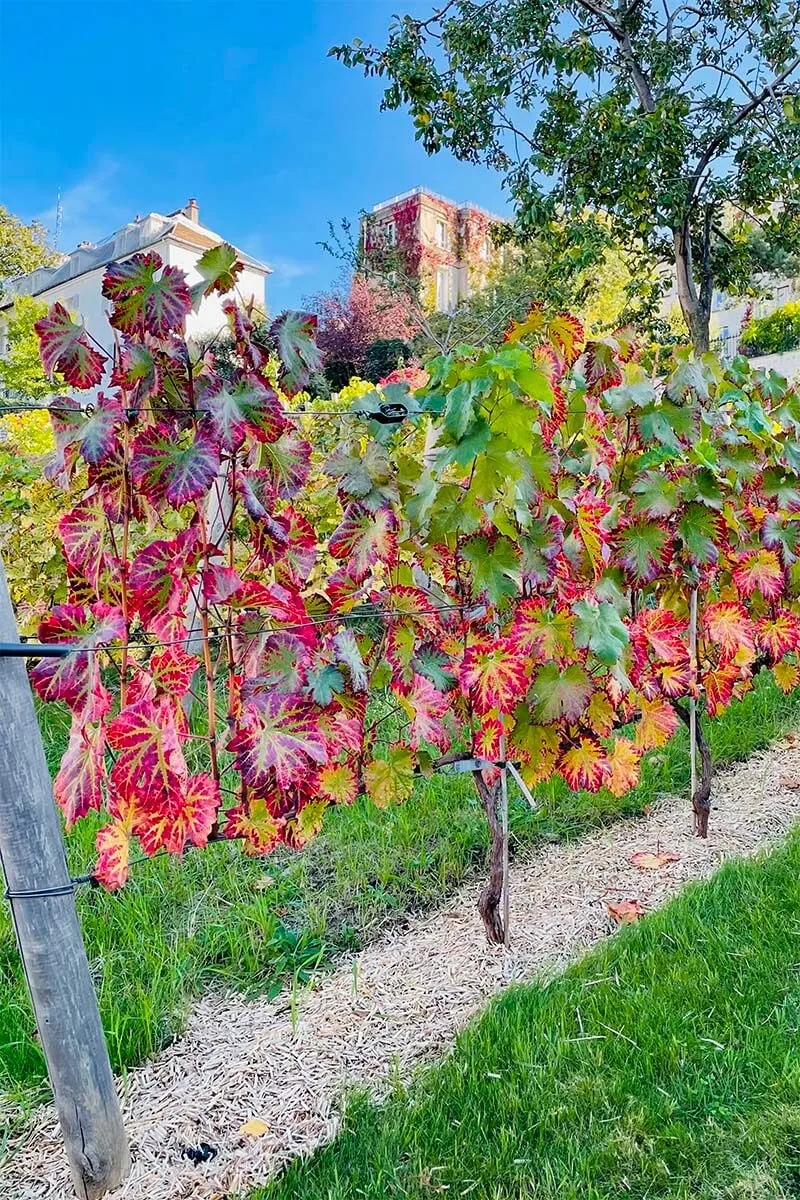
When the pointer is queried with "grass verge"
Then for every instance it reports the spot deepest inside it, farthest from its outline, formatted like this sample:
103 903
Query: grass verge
663 1065
218 918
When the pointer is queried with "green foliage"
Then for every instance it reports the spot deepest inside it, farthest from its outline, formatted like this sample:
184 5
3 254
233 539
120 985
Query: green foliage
30 507
22 376
663 117
773 334
22 247
663 1065
384 356
219 919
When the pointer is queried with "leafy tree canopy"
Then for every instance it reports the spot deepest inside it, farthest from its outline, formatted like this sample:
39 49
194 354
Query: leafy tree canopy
23 247
672 118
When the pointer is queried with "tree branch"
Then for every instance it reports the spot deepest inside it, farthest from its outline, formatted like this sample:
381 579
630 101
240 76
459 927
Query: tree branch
740 115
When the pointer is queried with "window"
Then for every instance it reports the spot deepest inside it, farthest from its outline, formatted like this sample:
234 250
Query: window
485 249
442 289
446 283
441 235
389 232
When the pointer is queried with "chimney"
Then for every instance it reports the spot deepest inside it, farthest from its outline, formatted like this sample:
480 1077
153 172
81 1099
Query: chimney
192 211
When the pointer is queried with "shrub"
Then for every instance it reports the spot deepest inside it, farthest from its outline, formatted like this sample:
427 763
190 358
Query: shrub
773 334
384 356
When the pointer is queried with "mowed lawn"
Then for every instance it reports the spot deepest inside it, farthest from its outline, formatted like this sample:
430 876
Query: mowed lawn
665 1064
219 919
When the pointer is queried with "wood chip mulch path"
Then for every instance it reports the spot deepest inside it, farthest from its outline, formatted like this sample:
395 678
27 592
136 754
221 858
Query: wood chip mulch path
282 1065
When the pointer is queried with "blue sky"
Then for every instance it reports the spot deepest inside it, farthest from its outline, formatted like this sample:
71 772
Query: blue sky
133 106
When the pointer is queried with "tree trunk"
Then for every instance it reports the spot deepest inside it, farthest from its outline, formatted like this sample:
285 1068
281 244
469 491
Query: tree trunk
492 895
701 800
696 308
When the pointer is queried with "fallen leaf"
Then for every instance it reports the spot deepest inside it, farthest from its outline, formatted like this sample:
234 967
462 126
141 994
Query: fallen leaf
790 741
624 912
255 1127
645 860
790 782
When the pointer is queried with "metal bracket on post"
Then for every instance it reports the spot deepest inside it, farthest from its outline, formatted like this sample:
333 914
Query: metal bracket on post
35 650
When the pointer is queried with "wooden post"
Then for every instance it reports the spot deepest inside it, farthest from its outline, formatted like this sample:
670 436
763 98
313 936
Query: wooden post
49 938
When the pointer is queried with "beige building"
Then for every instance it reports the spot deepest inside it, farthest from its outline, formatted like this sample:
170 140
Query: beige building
445 249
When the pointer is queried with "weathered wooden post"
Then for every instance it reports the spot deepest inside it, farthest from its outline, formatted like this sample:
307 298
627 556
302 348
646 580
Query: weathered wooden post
45 918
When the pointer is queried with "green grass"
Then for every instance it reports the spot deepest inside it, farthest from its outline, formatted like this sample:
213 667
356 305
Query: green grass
664 1064
217 918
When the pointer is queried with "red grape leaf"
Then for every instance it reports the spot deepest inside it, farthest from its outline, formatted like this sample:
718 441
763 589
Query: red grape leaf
727 626
364 538
282 737
245 406
624 912
150 770
645 860
174 465
78 786
718 687
585 765
187 816
778 635
287 462
494 675
64 347
143 303
425 707
760 570
83 535
113 846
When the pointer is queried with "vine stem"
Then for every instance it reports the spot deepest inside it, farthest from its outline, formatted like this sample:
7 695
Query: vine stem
209 668
692 700
123 665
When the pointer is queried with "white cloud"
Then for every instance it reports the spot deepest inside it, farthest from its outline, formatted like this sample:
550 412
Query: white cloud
288 269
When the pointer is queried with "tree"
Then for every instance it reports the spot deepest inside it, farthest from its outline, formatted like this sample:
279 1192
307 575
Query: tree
21 374
671 118
355 315
23 247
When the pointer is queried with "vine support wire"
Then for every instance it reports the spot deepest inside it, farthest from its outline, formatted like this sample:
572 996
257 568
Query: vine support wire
692 699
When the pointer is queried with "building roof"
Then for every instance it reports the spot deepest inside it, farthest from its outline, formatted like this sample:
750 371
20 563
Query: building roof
423 191
136 235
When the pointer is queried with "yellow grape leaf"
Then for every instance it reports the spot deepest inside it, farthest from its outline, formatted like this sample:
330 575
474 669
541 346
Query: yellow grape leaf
601 714
657 724
645 860
255 1127
624 761
390 780
786 675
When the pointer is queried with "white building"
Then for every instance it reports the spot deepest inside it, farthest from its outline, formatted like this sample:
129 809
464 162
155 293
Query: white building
178 238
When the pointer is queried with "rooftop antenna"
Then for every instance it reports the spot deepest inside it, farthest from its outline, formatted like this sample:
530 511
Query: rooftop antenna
59 220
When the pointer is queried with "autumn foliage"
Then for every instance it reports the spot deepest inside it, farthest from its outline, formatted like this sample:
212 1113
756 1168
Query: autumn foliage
512 561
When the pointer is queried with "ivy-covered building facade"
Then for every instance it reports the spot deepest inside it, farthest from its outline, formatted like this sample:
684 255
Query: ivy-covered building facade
446 249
